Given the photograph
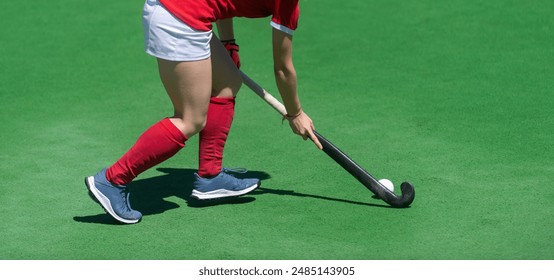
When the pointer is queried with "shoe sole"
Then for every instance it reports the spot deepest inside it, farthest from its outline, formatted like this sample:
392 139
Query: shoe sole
101 199
222 193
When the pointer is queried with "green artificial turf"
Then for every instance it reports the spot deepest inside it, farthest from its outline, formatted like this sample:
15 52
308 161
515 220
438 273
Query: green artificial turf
455 97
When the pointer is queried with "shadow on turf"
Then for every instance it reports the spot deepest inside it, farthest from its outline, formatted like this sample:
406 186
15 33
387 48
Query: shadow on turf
149 195
262 190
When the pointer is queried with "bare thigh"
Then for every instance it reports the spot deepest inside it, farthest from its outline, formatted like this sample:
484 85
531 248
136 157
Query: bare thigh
189 86
226 77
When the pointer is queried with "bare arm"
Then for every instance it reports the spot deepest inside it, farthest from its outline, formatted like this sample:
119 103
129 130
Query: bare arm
225 29
226 32
285 77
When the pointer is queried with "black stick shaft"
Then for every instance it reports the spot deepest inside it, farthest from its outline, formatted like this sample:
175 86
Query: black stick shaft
408 192
365 178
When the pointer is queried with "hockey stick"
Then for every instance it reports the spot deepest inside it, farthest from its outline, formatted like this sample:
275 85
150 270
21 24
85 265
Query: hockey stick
408 192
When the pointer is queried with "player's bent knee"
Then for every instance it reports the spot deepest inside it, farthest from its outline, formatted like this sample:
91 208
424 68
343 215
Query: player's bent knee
192 128
189 127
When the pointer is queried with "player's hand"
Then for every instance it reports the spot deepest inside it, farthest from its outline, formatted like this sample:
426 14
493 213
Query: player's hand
233 49
302 125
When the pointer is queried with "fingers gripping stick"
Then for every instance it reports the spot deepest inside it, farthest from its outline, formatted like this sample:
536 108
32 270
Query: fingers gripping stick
402 201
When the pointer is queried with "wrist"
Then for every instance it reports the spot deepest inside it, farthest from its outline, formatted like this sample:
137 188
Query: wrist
295 115
229 41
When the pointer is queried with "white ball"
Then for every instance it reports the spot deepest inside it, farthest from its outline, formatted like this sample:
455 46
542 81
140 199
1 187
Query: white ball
388 184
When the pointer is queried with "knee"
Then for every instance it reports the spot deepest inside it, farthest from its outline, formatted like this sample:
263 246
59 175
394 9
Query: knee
190 126
197 125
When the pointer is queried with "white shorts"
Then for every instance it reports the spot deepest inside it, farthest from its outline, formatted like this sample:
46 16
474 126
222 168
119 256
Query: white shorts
168 38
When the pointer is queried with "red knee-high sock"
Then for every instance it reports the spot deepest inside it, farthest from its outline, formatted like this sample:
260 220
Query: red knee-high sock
213 137
158 143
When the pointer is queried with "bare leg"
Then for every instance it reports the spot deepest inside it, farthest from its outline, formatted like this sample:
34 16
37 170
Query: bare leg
210 181
226 77
188 85
225 85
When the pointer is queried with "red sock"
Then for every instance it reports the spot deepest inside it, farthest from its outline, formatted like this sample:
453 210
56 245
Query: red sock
214 135
158 143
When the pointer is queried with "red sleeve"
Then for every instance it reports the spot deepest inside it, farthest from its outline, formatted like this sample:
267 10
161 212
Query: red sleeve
285 15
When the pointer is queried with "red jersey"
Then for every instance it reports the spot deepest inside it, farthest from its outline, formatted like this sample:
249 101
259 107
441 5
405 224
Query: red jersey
199 14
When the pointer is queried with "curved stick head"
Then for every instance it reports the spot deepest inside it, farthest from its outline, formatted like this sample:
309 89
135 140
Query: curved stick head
402 201
408 195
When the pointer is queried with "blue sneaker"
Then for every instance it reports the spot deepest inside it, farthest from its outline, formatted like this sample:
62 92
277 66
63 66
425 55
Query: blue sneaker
222 185
113 198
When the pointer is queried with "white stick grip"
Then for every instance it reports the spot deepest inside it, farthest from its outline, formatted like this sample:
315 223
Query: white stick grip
408 192
266 96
